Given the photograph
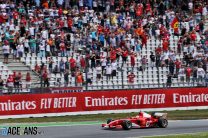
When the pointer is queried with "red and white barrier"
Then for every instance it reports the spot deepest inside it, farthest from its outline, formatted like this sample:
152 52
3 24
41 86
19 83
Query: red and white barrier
38 105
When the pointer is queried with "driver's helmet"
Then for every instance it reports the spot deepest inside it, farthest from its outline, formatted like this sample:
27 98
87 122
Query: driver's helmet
140 113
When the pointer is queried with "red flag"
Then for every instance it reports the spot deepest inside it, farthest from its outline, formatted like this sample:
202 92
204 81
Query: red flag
174 24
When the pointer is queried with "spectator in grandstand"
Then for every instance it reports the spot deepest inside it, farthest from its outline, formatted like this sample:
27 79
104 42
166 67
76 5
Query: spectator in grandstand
171 67
37 68
188 73
195 68
200 74
28 80
133 60
82 63
169 80
182 74
131 76
72 62
6 51
108 72
45 79
206 79
114 68
20 51
10 84
144 62
79 79
178 66
1 85
56 70
17 79
98 72
50 65
152 59
66 78
62 66
124 56
89 77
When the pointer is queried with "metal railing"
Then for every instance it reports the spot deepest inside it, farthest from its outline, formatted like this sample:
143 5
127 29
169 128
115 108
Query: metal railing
35 90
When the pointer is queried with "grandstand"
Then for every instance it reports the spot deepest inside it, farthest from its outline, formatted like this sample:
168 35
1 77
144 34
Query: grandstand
149 77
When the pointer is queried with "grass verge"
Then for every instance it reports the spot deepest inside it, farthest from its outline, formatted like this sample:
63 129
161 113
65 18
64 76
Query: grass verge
195 135
172 115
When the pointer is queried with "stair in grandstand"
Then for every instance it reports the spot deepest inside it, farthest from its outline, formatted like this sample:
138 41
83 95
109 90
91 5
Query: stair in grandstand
19 67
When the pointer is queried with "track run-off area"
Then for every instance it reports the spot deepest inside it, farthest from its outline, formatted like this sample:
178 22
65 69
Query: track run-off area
94 130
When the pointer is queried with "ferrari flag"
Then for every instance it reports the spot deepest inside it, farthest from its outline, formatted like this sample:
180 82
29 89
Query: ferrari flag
174 24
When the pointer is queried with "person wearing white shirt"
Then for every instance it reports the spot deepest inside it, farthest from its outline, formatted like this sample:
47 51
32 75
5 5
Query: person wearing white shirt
181 74
200 74
103 64
108 71
32 31
98 72
204 12
20 50
42 50
114 68
89 77
45 34
26 45
6 51
60 2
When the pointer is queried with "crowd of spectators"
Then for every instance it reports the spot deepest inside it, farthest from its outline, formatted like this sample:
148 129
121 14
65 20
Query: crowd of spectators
120 28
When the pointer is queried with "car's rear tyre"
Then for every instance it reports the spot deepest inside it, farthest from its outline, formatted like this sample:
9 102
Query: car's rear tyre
126 125
109 120
162 122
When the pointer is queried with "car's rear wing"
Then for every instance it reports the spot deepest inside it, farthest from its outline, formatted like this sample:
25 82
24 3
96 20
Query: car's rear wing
164 115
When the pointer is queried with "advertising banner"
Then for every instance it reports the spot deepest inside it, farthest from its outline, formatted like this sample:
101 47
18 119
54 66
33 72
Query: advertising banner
102 101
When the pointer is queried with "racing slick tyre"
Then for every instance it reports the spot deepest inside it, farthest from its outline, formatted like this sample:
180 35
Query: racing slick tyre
162 122
109 120
127 125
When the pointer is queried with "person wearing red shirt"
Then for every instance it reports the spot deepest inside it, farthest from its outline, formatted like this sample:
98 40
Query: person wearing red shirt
83 63
10 84
193 36
28 80
61 23
45 79
133 58
165 46
124 56
113 55
139 10
178 66
60 11
15 17
99 29
158 50
188 74
148 9
70 23
37 68
23 21
72 62
144 40
14 74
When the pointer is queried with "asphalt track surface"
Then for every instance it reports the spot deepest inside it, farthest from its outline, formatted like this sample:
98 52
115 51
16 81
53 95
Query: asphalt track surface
94 130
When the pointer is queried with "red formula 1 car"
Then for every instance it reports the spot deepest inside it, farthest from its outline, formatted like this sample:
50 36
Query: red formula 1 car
142 120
